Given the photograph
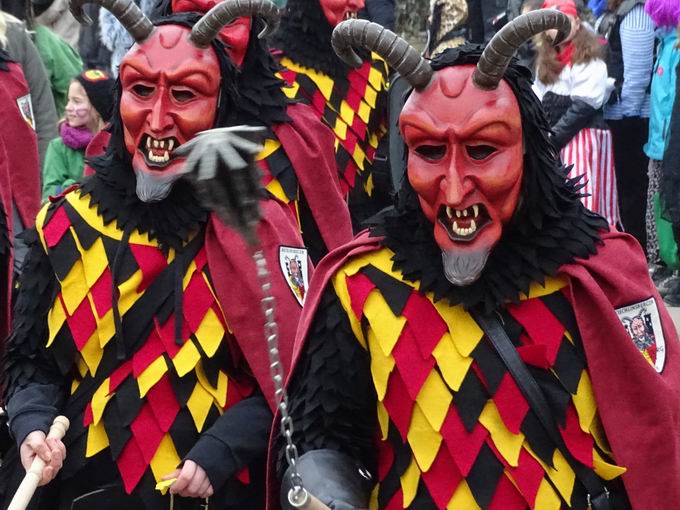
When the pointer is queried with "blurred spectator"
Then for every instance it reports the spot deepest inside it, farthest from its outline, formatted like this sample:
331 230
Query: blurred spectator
54 14
90 99
114 37
15 40
630 58
90 46
380 11
61 61
669 191
666 16
446 25
572 83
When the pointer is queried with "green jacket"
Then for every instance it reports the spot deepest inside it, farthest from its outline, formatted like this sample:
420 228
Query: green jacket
63 166
61 61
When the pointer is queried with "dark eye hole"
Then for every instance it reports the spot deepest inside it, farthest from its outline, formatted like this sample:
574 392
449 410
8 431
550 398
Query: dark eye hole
432 152
183 95
479 152
143 90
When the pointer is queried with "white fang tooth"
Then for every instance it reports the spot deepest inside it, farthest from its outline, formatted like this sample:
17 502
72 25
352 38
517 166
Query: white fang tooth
148 142
473 225
455 227
448 212
457 213
171 144
150 156
475 210
155 143
161 144
464 212
166 156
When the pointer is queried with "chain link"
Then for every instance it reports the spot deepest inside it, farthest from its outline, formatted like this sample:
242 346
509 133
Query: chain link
297 495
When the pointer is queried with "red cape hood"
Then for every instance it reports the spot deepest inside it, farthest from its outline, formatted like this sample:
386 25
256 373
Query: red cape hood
639 408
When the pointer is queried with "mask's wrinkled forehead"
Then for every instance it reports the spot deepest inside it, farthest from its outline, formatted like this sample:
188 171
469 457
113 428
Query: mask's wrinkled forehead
452 103
169 49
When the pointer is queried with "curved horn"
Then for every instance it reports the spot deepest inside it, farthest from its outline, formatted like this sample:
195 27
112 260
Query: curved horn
399 54
497 54
205 31
126 11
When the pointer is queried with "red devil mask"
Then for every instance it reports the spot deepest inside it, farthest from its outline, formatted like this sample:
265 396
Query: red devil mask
171 81
235 36
169 94
339 10
463 130
465 158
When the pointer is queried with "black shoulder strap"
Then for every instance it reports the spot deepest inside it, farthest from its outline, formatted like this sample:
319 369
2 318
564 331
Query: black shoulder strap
598 496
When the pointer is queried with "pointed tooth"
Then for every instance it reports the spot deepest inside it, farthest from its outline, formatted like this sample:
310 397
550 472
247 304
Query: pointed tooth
155 143
457 213
166 156
475 210
171 144
150 155
148 142
161 144
455 227
465 212
473 225
448 212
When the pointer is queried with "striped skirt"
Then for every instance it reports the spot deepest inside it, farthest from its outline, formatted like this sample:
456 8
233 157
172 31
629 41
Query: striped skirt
591 154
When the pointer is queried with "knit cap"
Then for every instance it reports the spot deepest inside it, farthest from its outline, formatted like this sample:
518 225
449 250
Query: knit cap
98 86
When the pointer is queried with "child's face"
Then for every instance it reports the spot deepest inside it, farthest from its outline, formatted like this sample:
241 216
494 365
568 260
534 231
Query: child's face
79 110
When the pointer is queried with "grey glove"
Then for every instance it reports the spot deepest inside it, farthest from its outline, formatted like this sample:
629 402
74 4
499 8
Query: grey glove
332 477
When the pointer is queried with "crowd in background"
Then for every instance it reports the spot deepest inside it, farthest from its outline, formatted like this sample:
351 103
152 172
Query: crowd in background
609 93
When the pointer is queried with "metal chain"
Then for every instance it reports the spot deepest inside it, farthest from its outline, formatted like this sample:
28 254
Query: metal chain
297 496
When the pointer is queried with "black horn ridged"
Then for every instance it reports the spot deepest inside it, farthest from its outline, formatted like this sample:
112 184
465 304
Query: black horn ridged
399 54
205 31
126 11
497 54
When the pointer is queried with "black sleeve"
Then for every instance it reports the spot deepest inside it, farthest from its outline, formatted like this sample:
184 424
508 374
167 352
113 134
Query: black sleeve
577 116
237 439
332 397
34 389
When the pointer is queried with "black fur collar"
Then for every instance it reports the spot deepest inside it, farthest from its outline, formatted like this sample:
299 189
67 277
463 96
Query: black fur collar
171 222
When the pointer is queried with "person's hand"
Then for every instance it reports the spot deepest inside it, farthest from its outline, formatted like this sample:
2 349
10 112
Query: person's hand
192 481
51 451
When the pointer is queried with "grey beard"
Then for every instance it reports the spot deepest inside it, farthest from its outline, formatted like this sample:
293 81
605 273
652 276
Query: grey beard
462 269
152 187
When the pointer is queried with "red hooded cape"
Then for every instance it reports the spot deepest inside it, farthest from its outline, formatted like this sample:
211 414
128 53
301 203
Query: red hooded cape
21 138
19 171
639 408
239 291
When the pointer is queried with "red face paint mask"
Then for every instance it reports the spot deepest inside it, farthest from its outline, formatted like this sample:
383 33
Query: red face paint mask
339 10
465 158
236 35
169 94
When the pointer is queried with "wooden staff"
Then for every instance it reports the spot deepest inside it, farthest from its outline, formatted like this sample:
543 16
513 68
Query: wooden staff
29 484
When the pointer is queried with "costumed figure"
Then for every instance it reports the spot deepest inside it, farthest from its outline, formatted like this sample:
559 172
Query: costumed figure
138 315
19 178
352 102
298 157
572 83
469 350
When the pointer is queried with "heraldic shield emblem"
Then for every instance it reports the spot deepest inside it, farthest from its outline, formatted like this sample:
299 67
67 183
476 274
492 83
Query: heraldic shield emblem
294 266
643 324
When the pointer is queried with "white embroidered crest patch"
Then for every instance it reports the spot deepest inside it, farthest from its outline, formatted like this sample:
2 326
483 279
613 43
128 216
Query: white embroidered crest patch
294 266
26 109
643 324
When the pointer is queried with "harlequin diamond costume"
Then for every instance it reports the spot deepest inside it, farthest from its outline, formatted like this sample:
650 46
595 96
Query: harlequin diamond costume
352 102
139 311
19 175
476 348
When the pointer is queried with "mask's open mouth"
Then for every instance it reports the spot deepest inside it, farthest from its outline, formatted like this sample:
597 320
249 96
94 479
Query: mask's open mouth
463 224
350 15
157 152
